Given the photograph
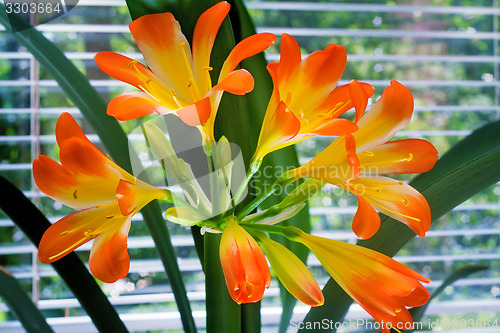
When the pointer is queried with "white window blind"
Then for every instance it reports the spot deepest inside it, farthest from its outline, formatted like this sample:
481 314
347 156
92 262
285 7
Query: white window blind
446 52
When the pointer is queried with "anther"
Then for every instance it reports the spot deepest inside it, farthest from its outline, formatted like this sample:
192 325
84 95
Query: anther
369 153
132 63
397 310
109 217
88 234
181 44
75 194
410 157
64 233
172 91
406 200
98 206
207 68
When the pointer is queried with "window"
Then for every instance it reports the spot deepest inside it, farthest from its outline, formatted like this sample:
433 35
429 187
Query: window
445 51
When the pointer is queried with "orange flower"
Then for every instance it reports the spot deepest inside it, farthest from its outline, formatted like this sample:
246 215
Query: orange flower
355 162
107 195
244 265
381 285
292 272
177 79
305 101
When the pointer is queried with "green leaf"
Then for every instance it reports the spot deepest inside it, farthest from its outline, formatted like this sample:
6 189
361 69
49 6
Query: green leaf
70 268
21 305
87 99
283 159
460 273
470 166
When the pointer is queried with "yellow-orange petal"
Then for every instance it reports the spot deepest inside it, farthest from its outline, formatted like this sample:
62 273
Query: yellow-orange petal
282 126
196 114
292 272
366 221
67 128
359 98
109 260
381 285
315 77
401 156
388 115
122 68
244 265
335 127
339 101
85 160
397 200
134 196
74 230
246 48
134 105
56 181
238 82
204 34
290 57
165 49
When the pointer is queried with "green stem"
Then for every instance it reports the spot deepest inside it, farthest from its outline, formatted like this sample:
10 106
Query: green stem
272 229
250 318
263 196
223 314
252 169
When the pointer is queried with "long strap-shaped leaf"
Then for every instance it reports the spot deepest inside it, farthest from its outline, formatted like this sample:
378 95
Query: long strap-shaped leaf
19 303
70 268
470 166
87 99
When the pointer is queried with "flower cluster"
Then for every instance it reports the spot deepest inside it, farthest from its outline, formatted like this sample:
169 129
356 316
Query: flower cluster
306 101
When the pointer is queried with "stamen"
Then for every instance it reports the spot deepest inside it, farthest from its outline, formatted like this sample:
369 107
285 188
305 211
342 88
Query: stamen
75 194
394 212
333 113
109 217
207 68
410 157
69 249
376 183
397 310
174 96
64 233
190 71
388 162
98 206
369 153
147 92
406 201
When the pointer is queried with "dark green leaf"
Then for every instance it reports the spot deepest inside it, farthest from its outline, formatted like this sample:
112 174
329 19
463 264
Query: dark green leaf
21 305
